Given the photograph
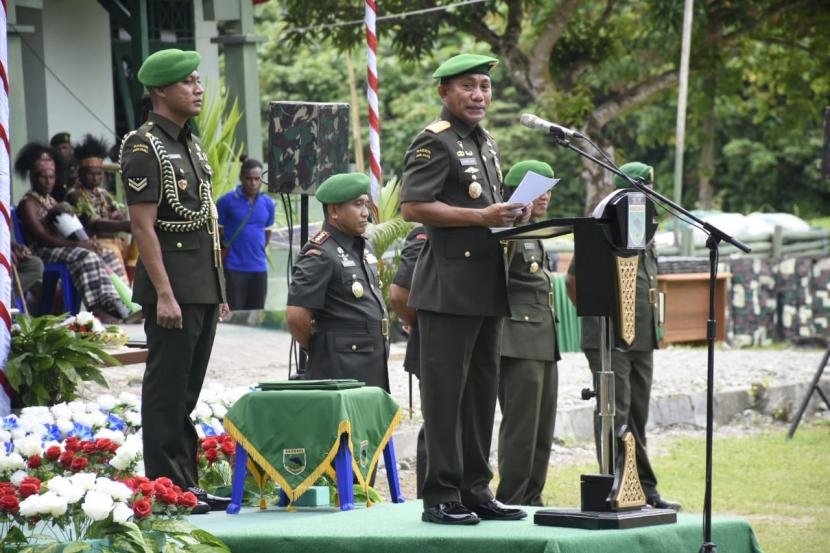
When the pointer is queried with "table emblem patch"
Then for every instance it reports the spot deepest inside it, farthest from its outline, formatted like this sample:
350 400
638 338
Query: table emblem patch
293 460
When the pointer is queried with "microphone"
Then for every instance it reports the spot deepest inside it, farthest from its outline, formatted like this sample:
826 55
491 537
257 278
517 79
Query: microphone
532 122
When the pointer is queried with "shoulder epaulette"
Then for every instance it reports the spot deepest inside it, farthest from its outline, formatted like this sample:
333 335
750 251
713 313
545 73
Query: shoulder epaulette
487 133
320 237
438 126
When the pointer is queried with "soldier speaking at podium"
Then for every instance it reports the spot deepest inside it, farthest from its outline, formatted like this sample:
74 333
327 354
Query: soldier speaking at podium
633 368
178 280
335 306
451 185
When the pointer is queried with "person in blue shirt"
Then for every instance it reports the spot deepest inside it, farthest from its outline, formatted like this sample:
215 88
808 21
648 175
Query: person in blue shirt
246 216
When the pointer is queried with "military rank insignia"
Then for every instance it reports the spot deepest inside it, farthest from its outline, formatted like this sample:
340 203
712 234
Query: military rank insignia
474 190
423 153
140 147
320 237
137 183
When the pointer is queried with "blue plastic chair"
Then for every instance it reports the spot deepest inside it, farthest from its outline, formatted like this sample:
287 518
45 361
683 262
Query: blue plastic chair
52 272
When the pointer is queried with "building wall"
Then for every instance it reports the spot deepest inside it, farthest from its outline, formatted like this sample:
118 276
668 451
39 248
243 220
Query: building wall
203 32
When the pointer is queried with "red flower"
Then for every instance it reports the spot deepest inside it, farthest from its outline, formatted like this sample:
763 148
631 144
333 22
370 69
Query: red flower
72 443
142 507
53 453
212 455
169 496
89 447
34 461
209 443
146 489
9 504
29 486
103 444
188 500
113 447
229 447
164 481
7 488
78 464
66 458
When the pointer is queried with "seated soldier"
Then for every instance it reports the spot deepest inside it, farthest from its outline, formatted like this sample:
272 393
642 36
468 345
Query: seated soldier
335 306
97 209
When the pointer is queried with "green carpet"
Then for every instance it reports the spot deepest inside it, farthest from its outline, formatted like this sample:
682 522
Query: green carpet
387 528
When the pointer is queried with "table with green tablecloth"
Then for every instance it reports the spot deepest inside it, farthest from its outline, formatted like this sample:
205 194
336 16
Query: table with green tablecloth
297 434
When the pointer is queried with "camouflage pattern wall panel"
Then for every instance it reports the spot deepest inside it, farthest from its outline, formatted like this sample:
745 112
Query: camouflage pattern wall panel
821 297
307 143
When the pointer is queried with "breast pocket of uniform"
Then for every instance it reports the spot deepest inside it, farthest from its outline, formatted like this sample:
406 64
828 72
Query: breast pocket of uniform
354 344
354 285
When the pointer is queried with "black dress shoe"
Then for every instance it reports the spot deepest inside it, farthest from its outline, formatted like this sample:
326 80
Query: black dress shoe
496 510
659 503
201 508
451 512
214 502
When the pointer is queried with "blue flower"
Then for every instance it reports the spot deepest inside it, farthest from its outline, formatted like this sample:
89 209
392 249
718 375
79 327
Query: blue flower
208 429
10 422
82 431
53 433
115 423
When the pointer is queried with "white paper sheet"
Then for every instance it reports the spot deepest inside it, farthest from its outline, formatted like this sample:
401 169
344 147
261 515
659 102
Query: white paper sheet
532 186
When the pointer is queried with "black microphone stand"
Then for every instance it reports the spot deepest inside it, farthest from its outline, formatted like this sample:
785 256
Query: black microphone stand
715 236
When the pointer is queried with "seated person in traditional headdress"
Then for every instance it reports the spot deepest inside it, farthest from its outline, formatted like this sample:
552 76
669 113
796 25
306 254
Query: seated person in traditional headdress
86 260
103 218
67 167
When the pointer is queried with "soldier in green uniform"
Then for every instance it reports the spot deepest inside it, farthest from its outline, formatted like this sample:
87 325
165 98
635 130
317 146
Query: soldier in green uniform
528 378
335 305
178 280
451 185
633 368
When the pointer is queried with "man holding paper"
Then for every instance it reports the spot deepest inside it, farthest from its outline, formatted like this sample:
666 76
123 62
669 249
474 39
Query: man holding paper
451 184
528 378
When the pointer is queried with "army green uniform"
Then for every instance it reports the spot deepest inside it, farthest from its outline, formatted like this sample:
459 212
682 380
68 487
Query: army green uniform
460 292
528 378
336 278
632 369
412 247
186 230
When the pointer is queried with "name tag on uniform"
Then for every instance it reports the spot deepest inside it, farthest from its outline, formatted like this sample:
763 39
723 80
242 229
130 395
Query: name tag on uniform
529 245
347 262
467 161
174 156
371 259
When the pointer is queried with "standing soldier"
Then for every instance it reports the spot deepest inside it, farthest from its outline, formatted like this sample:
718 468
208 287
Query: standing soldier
178 280
451 185
528 378
335 305
632 369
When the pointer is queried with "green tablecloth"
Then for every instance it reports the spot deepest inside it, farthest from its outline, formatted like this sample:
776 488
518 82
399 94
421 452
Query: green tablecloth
293 435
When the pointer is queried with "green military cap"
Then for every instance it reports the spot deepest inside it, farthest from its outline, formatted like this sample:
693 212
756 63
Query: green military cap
60 138
167 67
518 171
341 188
465 63
634 169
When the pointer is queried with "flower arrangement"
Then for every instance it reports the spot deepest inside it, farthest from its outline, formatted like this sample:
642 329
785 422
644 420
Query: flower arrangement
88 326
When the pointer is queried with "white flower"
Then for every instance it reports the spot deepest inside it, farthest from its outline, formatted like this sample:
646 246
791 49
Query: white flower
219 410
65 425
77 406
97 419
18 477
202 411
31 506
18 433
85 480
13 462
126 398
28 446
53 504
116 436
5 436
133 418
200 432
118 491
121 512
61 411
97 505
66 488
86 419
106 402
84 317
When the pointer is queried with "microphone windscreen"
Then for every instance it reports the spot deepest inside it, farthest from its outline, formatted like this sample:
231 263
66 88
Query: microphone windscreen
529 120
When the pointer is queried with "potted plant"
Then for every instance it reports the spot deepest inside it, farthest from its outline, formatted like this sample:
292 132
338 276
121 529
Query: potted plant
48 362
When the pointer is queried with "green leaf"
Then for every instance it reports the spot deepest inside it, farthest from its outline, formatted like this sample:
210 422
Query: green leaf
172 526
208 539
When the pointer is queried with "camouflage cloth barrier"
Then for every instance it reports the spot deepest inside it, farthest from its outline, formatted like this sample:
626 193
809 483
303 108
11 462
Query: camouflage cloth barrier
778 299
307 143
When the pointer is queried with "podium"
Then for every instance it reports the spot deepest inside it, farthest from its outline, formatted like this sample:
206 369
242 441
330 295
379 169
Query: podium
607 247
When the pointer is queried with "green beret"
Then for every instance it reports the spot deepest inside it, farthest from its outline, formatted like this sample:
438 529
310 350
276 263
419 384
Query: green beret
60 138
518 171
167 67
345 187
634 169
465 63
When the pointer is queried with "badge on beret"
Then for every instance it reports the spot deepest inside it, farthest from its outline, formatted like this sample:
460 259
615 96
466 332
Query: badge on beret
182 184
137 183
474 190
534 267
357 289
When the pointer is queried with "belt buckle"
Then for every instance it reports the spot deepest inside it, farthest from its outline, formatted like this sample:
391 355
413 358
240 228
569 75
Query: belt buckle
384 327
550 299
652 296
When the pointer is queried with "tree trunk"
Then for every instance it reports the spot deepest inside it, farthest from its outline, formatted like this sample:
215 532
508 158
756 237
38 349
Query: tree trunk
599 182
706 170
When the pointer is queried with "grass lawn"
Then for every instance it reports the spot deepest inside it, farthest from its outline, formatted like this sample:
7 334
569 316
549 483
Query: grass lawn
781 486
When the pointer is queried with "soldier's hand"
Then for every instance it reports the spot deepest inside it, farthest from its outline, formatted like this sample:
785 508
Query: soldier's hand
168 312
501 214
224 310
524 216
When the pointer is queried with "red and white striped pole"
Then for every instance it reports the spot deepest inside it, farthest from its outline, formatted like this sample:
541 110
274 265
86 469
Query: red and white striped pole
372 96
5 218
